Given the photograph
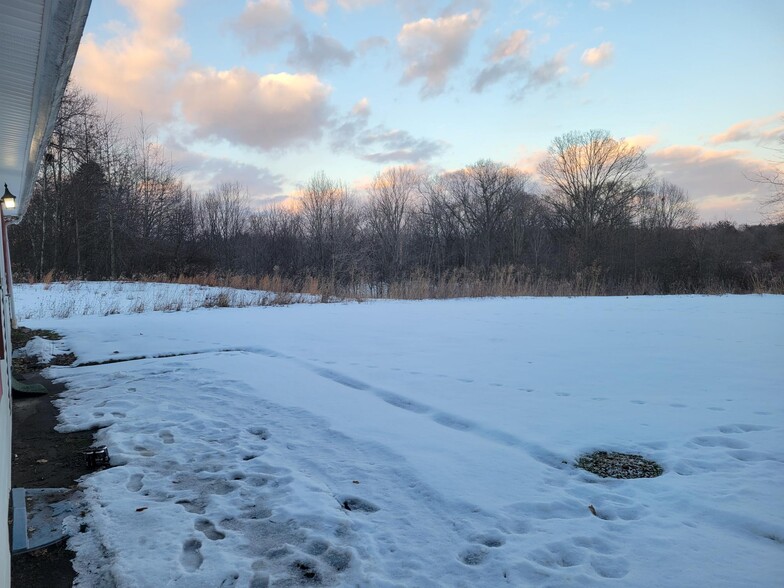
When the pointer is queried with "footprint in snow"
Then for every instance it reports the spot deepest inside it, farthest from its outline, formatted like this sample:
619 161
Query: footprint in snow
473 555
196 506
352 503
191 558
491 539
742 428
135 482
208 528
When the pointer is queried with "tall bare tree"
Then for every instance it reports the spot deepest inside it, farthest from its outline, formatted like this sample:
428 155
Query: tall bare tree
223 215
775 179
390 199
594 182
330 223
666 206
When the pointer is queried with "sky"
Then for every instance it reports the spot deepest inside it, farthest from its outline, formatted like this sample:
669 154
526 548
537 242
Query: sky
269 92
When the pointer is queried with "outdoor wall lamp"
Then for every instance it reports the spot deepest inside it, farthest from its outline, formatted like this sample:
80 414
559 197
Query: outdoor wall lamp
9 200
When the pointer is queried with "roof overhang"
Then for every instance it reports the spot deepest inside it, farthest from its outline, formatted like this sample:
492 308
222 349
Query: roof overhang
38 43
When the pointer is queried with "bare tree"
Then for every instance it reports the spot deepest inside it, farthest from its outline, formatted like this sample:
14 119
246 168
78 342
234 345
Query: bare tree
775 178
330 223
223 214
275 241
391 195
666 206
482 199
594 182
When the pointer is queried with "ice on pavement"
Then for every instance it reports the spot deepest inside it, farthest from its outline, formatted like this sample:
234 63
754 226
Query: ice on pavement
431 443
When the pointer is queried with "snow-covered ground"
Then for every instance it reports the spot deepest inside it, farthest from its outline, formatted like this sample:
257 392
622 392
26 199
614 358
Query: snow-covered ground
431 443
66 299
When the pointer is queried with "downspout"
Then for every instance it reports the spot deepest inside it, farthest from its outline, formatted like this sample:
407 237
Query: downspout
7 261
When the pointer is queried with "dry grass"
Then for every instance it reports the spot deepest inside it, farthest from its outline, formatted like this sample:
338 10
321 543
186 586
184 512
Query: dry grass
463 283
276 290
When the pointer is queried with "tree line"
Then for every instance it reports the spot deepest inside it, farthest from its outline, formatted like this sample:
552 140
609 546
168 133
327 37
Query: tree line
109 206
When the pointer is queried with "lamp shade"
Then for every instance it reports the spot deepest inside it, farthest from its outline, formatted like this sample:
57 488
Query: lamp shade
9 200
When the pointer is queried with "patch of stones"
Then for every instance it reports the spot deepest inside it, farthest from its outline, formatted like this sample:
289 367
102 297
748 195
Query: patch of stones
625 466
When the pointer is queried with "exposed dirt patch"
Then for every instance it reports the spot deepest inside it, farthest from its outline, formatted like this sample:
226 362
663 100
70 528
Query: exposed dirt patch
21 336
611 464
44 458
24 365
63 359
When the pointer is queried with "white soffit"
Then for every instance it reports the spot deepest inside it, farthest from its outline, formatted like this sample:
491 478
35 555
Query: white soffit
38 43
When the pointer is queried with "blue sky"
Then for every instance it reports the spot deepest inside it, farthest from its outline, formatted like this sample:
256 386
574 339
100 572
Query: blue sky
268 92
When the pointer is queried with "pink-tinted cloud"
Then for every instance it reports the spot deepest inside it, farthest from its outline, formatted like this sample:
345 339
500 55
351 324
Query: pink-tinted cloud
516 45
528 160
642 141
433 48
361 108
510 57
267 112
136 69
720 183
598 56
769 128
319 7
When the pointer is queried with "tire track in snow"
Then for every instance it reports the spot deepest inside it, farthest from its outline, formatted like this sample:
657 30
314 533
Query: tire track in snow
446 419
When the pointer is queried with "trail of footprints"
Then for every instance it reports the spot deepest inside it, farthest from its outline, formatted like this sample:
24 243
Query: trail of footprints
284 552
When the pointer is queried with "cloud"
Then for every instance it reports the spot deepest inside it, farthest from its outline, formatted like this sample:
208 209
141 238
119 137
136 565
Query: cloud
413 9
549 20
608 4
432 48
642 141
268 24
370 43
317 53
769 128
598 56
267 112
718 181
510 58
528 160
319 7
136 69
356 4
550 71
264 24
380 144
517 45
361 108
204 173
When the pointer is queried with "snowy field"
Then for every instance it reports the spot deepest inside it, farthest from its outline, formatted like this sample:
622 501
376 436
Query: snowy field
431 443
66 299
